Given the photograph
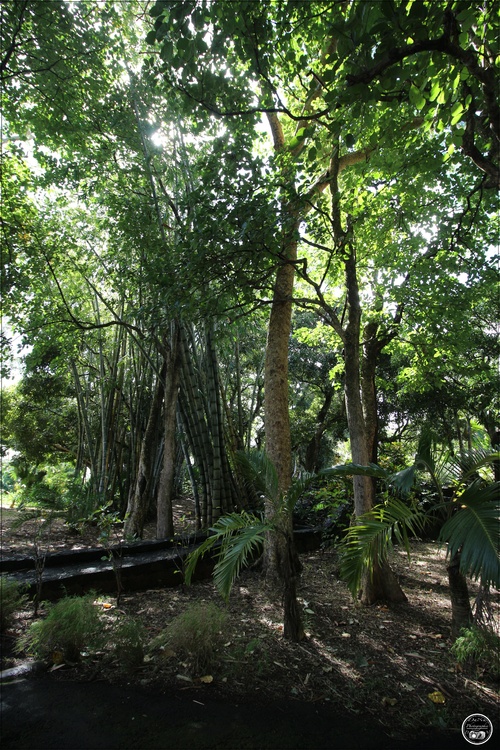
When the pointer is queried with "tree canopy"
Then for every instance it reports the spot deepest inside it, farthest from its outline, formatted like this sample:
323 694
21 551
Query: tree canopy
229 225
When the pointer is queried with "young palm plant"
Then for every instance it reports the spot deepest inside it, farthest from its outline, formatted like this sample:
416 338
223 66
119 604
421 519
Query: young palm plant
469 524
240 536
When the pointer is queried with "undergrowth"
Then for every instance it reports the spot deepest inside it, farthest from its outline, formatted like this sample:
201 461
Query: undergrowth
194 635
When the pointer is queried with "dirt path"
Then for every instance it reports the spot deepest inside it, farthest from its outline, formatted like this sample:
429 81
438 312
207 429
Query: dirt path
43 712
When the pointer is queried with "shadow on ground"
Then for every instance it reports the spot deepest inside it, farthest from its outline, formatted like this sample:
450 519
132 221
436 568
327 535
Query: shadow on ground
43 712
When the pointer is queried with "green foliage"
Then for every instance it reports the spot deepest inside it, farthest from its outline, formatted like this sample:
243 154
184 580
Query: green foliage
472 526
473 529
195 634
44 486
371 538
238 536
12 599
259 473
479 648
70 626
327 502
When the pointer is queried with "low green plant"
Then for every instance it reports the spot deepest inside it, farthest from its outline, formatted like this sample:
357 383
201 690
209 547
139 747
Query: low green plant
194 635
127 636
478 648
70 626
12 599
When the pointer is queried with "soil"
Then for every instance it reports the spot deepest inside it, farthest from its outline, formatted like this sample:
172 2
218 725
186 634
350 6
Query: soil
362 677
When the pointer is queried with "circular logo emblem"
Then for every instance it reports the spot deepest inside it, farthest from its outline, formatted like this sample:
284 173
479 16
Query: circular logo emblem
477 729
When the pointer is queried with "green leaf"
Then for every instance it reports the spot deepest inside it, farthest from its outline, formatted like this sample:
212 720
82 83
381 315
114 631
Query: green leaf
457 112
416 97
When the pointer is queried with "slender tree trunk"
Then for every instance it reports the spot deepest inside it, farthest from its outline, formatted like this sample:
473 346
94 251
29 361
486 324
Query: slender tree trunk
140 498
165 521
371 351
364 492
461 612
277 418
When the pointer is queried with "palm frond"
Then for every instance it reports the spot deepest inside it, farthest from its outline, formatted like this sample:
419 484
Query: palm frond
426 449
235 552
297 488
349 470
258 472
465 465
226 534
196 555
403 481
370 539
474 529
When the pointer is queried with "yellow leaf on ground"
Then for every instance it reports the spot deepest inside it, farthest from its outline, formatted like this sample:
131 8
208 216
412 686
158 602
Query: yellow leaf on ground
206 678
437 697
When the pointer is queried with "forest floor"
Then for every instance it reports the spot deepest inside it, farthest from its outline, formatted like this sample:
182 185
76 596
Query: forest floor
388 665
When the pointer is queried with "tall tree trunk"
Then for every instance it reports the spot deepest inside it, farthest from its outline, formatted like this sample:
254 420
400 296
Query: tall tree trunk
140 498
281 562
165 521
381 584
276 409
364 492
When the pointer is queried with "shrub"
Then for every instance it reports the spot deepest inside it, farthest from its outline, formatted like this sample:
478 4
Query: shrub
194 634
70 626
11 599
478 648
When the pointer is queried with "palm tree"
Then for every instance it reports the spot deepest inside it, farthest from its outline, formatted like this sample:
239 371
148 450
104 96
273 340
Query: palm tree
240 536
469 524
